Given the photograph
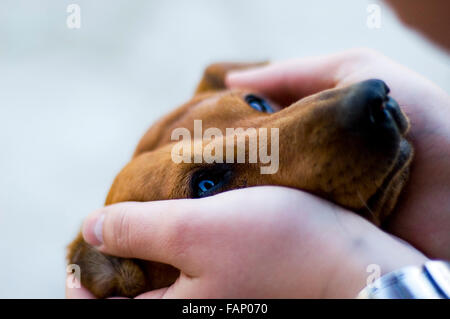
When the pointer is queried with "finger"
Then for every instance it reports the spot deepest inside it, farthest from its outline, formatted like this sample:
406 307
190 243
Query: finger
288 81
150 231
183 287
74 289
154 294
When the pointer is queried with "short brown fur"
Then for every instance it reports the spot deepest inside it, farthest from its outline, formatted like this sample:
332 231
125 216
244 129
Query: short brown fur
316 155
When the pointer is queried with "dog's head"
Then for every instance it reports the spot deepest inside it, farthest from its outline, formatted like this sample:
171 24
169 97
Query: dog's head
346 145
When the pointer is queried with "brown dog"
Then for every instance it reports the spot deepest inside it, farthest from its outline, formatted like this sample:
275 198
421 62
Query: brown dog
346 145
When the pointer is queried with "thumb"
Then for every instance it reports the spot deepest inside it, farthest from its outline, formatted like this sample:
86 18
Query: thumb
288 81
148 231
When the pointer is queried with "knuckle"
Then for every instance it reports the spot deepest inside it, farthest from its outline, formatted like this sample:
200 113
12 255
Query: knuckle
365 53
178 235
181 234
352 60
120 237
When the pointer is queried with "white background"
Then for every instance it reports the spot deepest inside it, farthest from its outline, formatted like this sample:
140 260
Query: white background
73 103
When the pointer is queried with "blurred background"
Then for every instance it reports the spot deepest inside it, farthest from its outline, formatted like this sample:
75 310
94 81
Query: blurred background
74 102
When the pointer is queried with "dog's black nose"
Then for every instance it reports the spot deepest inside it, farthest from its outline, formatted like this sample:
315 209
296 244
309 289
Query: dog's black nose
373 96
368 108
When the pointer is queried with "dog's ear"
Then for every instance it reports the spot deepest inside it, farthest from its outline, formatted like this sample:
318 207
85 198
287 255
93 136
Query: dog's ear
214 75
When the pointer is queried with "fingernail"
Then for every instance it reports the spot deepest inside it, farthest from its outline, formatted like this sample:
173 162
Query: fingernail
238 78
93 229
236 74
98 228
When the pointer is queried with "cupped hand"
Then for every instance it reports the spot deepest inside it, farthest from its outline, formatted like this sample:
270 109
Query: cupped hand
260 242
423 214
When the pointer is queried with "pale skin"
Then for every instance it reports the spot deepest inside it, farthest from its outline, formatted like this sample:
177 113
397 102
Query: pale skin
423 216
275 242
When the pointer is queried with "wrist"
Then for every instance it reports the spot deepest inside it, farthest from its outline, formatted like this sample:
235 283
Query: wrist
367 257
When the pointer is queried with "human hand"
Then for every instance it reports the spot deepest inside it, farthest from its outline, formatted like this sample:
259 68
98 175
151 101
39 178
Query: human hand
423 213
260 242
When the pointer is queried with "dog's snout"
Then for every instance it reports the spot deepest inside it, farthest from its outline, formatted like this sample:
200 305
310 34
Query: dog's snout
368 108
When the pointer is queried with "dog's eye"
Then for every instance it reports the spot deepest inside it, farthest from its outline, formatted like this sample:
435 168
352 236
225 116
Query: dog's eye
258 103
205 185
210 181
